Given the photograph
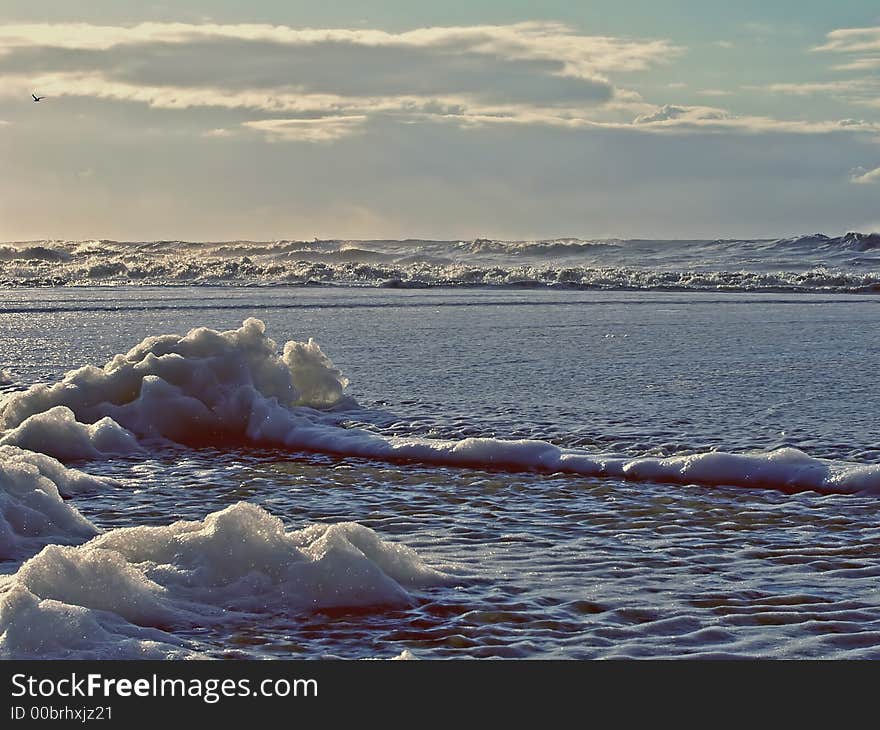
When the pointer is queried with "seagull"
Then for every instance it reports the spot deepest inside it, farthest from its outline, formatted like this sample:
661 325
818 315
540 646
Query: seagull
38 98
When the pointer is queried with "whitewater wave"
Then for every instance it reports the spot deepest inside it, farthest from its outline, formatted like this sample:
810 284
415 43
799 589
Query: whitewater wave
843 264
122 593
217 388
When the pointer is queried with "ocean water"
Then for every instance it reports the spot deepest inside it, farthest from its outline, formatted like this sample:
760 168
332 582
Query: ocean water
537 472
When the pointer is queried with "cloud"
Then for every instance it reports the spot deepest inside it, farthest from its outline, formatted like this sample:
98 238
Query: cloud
861 92
862 176
543 72
326 68
580 55
465 110
665 113
852 40
321 85
861 43
860 64
322 129
843 86
703 118
288 102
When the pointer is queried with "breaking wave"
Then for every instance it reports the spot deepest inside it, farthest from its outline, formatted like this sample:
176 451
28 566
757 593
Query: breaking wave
813 263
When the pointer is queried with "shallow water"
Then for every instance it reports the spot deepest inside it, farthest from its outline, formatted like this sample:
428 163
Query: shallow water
543 565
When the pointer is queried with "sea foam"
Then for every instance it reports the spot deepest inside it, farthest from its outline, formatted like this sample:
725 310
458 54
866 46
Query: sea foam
206 387
56 432
32 510
121 593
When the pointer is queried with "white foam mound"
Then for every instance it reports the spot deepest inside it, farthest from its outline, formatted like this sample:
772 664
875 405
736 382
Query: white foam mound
57 433
6 377
236 561
199 388
32 511
42 628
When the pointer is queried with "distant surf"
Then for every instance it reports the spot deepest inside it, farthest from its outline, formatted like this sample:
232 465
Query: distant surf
810 263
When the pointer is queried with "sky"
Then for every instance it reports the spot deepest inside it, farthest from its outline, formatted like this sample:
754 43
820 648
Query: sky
222 120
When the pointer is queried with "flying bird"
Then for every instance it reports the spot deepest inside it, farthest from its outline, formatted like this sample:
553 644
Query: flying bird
38 98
